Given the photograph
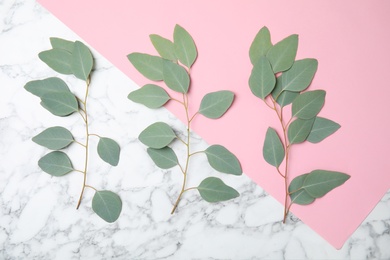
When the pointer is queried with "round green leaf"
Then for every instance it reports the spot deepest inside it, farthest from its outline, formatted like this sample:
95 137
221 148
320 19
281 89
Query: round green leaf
262 80
82 61
322 128
184 46
54 138
164 158
175 77
60 103
164 47
58 43
283 98
260 45
222 160
107 205
214 189
56 163
108 150
282 54
150 95
157 135
300 75
215 104
149 66
273 150
307 105
320 182
57 59
299 129
44 86
299 195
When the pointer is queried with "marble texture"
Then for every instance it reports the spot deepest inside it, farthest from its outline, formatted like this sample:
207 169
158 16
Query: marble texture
38 219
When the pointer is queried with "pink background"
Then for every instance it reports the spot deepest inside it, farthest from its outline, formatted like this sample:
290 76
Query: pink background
351 41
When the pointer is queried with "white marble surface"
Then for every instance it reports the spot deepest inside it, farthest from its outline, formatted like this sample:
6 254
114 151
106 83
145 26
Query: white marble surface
38 219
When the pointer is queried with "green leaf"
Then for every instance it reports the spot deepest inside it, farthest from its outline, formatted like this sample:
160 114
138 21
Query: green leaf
260 45
282 55
58 43
215 104
149 66
54 138
57 59
273 150
184 45
222 160
44 86
108 150
320 182
55 163
60 103
150 95
262 80
164 158
107 205
214 189
322 128
299 195
157 135
82 61
307 105
300 75
175 77
164 47
283 98
299 130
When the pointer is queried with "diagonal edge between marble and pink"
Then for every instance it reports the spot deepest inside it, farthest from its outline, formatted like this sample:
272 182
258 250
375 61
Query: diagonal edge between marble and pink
351 48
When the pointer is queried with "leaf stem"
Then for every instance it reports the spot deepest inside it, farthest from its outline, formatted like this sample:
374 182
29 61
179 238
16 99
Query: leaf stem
174 99
196 153
77 142
95 135
88 186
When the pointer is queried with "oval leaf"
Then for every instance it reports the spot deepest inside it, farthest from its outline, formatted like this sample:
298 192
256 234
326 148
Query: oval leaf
262 80
300 75
164 47
320 182
149 66
57 59
164 158
175 77
82 61
108 150
322 128
283 98
273 150
215 104
260 45
299 130
60 103
44 86
222 160
213 189
55 163
58 43
107 205
54 138
282 55
299 195
150 95
307 105
184 46
157 135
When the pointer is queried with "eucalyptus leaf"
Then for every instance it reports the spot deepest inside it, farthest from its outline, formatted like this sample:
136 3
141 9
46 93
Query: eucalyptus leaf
322 128
44 86
184 46
282 54
150 95
56 164
60 103
57 59
54 138
320 182
222 160
262 80
299 195
308 104
175 77
58 43
157 135
82 61
107 205
260 45
273 150
164 47
215 104
108 150
149 66
300 75
283 98
299 130
164 158
214 189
